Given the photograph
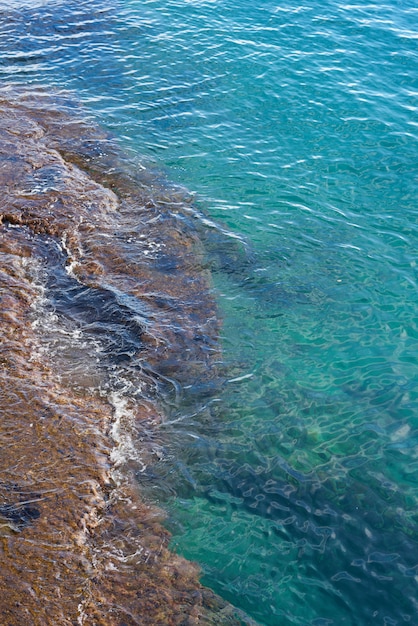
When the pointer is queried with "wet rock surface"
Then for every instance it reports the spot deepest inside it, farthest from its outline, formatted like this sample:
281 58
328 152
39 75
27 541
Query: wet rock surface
105 307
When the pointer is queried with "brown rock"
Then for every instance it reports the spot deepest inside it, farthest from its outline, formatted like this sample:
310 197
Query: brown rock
79 545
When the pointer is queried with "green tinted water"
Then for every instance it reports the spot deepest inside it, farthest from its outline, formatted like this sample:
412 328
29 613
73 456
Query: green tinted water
295 487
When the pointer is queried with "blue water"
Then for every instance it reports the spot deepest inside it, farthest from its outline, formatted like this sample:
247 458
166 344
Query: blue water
295 126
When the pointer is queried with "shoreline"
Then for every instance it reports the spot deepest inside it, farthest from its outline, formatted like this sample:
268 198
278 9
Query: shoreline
87 252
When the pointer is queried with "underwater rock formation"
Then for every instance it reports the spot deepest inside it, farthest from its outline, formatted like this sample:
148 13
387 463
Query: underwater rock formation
105 310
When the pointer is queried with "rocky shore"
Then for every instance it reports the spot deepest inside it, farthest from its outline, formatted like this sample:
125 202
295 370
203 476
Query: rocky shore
101 281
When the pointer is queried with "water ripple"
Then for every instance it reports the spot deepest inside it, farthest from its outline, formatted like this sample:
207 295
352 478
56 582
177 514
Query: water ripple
296 125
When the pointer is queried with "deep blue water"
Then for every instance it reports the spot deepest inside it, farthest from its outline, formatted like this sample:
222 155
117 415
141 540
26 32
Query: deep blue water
296 126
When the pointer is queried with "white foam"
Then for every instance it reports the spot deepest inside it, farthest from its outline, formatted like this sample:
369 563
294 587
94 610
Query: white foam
60 340
72 263
123 433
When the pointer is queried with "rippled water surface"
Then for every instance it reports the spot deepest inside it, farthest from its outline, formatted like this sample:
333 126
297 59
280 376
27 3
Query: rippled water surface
293 483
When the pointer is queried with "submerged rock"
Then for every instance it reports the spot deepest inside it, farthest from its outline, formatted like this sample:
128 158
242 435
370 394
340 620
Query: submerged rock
105 309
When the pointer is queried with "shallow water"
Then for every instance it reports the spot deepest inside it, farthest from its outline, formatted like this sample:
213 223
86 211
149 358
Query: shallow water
92 324
292 479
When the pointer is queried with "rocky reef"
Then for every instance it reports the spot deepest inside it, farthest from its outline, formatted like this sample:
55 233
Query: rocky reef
106 308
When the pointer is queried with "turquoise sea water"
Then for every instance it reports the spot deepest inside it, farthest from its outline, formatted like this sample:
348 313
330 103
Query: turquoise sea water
295 486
